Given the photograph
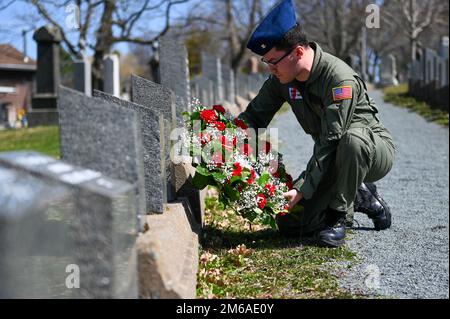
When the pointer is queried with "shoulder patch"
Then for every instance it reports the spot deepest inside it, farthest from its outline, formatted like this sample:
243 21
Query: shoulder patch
342 93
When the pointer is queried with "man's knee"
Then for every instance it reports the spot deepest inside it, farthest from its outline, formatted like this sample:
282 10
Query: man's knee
354 145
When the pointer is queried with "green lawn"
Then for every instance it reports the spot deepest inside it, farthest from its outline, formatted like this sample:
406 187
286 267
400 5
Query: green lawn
239 261
398 95
44 139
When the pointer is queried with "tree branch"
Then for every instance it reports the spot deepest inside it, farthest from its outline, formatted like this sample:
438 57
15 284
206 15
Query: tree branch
47 16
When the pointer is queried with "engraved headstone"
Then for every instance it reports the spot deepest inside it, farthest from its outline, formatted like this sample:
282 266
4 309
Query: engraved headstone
161 100
65 231
152 130
104 137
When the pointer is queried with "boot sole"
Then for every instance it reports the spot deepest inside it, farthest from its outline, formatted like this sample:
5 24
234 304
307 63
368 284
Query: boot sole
330 244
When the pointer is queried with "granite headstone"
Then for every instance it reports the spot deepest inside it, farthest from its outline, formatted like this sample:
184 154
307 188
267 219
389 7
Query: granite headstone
102 136
65 231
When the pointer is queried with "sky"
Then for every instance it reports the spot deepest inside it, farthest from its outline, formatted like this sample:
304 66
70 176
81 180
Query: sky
19 16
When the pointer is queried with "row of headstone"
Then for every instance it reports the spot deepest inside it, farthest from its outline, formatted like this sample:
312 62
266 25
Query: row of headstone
432 66
84 212
44 101
428 76
388 70
111 75
218 83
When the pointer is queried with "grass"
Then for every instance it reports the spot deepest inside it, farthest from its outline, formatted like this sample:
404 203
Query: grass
44 139
239 260
398 95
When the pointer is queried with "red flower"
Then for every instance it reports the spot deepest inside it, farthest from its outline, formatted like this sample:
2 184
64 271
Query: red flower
251 180
240 188
276 174
208 115
261 200
220 126
234 141
270 188
240 123
219 108
289 182
246 149
267 147
238 169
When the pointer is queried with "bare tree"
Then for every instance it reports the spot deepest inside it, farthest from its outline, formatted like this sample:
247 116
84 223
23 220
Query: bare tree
118 23
336 25
414 17
229 22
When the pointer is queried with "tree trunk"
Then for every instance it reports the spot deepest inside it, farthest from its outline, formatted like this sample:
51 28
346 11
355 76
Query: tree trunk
103 45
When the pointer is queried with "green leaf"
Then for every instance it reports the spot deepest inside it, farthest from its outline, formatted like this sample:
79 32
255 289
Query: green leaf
235 179
272 223
232 193
200 181
245 174
203 171
219 176
263 179
258 211
250 215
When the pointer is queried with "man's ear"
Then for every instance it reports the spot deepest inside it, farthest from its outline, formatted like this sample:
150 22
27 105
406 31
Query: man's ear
299 51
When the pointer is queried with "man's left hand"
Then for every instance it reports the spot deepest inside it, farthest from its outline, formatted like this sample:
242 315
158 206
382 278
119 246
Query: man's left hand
293 196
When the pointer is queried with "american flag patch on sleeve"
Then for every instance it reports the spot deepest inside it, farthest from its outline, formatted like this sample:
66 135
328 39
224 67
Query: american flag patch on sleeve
342 93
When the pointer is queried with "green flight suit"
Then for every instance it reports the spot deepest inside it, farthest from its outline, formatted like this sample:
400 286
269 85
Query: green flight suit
351 146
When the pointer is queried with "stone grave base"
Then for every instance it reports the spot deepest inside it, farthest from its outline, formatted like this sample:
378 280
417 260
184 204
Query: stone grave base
167 254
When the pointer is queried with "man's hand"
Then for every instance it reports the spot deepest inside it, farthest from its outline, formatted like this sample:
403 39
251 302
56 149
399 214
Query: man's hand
293 196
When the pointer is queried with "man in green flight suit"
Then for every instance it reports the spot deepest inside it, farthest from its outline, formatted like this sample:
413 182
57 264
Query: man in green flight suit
352 149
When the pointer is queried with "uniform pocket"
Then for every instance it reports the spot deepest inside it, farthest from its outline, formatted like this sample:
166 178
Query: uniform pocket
332 123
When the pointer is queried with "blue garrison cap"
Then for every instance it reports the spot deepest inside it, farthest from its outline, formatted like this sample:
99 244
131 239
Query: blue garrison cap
272 29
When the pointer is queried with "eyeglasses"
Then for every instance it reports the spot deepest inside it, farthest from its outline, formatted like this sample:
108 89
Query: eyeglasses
274 63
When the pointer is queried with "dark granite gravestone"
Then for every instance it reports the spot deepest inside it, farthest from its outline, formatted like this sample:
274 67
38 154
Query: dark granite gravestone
174 69
111 74
161 100
47 77
388 72
65 231
212 69
206 90
82 76
152 130
228 84
428 65
104 137
242 85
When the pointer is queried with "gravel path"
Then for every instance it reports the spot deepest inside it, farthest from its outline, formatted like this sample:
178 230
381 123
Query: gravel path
410 260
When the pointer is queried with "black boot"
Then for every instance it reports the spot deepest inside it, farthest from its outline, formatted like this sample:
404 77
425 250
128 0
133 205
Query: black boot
369 202
333 234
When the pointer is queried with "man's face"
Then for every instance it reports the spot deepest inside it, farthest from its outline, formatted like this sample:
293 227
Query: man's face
285 65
